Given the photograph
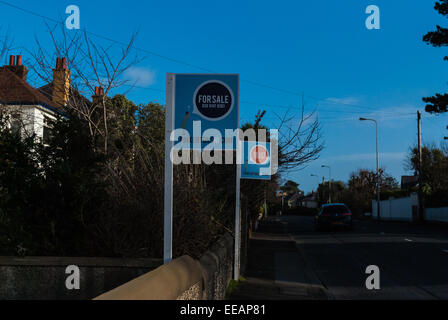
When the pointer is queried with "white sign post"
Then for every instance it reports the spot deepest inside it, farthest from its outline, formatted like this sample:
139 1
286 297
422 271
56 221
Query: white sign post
168 207
236 267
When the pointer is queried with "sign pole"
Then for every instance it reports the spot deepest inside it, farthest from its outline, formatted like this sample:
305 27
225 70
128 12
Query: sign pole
236 268
237 222
168 207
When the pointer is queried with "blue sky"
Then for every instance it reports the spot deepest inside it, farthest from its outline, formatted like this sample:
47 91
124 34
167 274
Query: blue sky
321 48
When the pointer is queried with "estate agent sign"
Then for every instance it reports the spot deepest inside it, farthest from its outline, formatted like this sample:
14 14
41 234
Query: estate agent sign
200 110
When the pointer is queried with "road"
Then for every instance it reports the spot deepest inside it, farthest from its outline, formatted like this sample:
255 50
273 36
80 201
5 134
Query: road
289 260
275 268
413 259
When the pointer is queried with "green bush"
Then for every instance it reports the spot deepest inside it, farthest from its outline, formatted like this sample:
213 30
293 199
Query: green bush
396 193
48 194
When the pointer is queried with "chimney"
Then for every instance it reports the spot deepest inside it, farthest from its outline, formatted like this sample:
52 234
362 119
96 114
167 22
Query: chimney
20 70
99 94
61 82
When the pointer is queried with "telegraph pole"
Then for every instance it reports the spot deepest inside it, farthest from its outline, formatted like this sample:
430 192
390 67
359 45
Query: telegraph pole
378 193
420 166
329 183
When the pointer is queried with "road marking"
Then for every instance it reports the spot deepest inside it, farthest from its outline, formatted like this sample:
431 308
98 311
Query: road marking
408 240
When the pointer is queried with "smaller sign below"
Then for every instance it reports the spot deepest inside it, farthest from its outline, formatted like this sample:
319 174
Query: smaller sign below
256 160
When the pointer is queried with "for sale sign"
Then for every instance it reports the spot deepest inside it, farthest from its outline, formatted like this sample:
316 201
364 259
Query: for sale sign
205 103
256 162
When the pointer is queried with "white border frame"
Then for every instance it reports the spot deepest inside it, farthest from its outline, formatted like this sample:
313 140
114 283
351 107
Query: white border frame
168 196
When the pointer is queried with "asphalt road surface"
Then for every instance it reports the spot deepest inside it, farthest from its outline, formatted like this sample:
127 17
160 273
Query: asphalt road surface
413 259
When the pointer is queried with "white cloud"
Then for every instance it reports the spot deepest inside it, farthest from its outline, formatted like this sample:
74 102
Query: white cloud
383 114
394 113
386 156
140 76
389 117
346 100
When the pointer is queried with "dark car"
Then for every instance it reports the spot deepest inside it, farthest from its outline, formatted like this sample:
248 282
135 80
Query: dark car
334 215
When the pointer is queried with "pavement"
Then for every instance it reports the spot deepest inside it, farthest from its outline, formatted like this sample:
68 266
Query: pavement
289 260
276 270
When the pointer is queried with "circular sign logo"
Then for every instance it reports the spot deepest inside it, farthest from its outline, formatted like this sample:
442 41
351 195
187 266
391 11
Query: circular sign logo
213 100
259 155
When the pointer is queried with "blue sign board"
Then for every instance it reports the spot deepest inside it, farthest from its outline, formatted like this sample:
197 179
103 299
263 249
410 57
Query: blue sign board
256 160
212 99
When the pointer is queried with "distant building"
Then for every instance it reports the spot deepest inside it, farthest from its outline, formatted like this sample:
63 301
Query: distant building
29 108
33 110
294 200
309 201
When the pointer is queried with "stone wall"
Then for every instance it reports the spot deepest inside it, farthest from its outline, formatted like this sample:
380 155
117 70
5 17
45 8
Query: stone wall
183 278
217 267
43 278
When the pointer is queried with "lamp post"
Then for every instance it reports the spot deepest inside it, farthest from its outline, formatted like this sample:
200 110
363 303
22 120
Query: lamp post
284 194
329 183
377 167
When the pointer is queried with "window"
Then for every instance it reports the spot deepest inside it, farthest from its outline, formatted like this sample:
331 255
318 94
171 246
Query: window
47 131
15 126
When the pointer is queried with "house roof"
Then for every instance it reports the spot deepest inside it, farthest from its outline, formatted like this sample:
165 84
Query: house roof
16 91
75 97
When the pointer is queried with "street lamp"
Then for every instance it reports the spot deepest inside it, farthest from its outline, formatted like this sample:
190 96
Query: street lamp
377 166
284 194
329 184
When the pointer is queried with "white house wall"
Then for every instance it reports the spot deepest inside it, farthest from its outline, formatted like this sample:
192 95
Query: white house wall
396 209
32 118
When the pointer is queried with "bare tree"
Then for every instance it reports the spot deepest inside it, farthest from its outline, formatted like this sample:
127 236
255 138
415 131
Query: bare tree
6 44
91 65
300 139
